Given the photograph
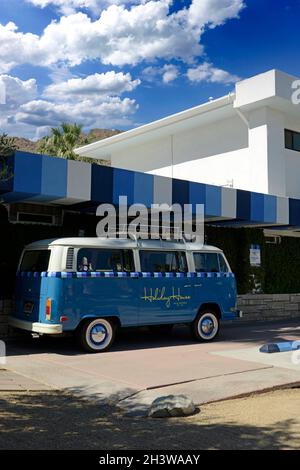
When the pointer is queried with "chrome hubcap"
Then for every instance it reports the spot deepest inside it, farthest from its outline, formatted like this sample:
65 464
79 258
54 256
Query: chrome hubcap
98 334
207 326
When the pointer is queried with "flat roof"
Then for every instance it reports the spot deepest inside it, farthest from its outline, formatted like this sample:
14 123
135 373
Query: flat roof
272 88
159 128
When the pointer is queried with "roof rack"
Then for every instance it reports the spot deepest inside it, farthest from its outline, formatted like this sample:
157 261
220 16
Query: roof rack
143 232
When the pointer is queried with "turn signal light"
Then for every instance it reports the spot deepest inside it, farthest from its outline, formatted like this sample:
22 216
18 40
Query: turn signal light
48 309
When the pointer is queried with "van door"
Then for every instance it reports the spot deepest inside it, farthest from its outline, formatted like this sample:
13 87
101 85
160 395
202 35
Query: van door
212 287
165 290
109 290
29 293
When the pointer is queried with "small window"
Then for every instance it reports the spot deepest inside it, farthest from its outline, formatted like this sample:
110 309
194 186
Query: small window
222 263
35 260
163 261
94 259
206 262
292 140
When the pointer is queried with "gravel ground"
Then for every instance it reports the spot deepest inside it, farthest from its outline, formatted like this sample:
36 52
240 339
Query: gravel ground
48 420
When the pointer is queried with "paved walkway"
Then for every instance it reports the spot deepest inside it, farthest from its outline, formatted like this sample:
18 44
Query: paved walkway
142 366
13 382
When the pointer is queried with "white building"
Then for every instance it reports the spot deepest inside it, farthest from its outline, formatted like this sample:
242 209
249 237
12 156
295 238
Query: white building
240 140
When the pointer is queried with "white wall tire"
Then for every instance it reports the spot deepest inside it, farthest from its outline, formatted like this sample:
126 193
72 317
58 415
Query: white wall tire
206 326
97 335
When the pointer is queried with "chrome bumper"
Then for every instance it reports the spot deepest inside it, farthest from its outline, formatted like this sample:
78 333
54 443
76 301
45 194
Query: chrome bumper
36 327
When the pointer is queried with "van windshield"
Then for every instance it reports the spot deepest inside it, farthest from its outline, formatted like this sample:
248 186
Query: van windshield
35 260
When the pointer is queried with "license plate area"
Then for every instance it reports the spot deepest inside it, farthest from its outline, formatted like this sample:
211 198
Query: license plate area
28 308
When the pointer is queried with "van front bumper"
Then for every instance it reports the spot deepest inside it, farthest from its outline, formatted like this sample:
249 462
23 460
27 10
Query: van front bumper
36 327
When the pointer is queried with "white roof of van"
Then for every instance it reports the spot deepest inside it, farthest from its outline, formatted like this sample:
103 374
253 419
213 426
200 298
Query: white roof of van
118 243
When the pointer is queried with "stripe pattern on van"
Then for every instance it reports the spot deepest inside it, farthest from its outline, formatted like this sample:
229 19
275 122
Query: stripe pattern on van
115 274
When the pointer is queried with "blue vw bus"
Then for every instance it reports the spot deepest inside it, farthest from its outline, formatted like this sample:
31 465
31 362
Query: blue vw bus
92 286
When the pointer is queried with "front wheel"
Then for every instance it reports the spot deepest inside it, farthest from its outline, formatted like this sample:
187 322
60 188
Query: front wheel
97 335
206 326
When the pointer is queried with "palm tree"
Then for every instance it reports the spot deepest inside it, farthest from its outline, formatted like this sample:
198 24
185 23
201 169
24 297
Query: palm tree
7 148
62 141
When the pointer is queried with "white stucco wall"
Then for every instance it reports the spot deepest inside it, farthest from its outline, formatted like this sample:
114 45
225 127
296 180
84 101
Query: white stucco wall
225 153
203 154
237 140
292 160
292 173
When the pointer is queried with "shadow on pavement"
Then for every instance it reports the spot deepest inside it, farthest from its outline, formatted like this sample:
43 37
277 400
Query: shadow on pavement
142 338
57 421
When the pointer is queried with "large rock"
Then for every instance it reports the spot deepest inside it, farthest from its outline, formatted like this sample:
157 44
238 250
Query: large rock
171 405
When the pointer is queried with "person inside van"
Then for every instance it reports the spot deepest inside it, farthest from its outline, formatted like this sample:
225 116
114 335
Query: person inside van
85 265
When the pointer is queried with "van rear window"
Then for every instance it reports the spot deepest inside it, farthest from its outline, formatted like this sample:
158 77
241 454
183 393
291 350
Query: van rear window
35 260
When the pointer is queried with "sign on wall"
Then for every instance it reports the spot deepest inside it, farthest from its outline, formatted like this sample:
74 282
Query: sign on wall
255 255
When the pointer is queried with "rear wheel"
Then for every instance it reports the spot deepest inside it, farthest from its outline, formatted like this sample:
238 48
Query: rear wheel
206 326
97 335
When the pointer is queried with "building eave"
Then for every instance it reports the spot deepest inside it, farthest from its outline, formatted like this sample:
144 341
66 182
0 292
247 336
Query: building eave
100 148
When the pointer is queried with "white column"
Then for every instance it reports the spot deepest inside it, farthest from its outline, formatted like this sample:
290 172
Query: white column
266 147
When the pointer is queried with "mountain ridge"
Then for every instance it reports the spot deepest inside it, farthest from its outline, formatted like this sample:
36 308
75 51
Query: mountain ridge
31 146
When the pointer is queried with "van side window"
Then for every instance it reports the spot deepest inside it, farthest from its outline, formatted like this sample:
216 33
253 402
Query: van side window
206 262
163 261
94 259
128 262
222 263
35 260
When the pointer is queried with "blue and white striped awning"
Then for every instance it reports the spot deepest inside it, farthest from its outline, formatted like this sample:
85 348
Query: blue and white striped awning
56 181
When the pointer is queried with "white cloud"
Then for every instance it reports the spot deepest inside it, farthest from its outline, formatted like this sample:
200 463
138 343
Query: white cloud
121 35
79 101
150 74
214 12
208 73
170 73
68 7
17 48
167 73
97 85
112 111
18 91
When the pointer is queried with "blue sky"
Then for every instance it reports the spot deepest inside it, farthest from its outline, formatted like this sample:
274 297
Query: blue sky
116 64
